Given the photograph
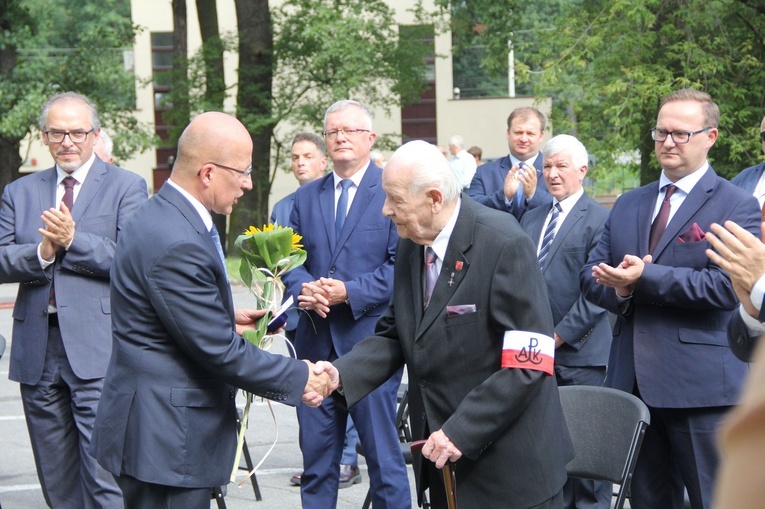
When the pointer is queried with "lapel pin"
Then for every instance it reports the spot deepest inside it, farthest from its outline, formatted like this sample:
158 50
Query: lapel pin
458 266
451 278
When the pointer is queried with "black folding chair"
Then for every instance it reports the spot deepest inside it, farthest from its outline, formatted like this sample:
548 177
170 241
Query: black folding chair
607 427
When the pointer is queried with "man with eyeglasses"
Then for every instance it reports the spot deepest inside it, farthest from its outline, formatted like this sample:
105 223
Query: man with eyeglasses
751 178
344 285
166 426
58 232
673 304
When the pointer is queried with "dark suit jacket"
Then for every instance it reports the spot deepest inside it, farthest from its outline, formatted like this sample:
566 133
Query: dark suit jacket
741 342
583 325
749 177
167 413
281 215
508 423
672 338
363 259
107 198
488 185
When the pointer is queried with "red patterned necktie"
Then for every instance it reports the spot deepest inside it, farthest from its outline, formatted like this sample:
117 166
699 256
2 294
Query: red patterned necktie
68 200
660 223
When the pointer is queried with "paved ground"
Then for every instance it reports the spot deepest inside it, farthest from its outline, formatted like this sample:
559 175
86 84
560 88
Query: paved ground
19 487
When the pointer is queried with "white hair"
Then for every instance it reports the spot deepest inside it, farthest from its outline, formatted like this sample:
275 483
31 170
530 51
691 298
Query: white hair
568 144
457 141
346 103
108 143
428 167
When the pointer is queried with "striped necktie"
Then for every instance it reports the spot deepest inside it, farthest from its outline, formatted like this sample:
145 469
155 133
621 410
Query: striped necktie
549 235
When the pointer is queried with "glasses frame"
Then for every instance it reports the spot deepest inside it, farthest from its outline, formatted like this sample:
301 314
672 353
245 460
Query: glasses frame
330 135
245 173
67 133
671 134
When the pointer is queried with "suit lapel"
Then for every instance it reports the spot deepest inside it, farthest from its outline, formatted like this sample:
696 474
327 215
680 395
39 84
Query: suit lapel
572 218
327 206
454 268
646 204
89 190
698 196
364 195
538 223
47 189
417 262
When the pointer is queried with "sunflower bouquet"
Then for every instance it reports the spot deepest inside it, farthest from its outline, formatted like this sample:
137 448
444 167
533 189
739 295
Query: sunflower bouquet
267 254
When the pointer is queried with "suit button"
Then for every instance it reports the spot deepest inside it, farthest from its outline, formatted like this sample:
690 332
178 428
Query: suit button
423 383
232 394
332 270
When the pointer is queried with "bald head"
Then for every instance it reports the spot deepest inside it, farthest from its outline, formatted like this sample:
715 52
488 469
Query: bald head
211 136
214 161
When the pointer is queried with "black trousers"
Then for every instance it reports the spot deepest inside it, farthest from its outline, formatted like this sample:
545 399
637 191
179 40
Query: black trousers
142 495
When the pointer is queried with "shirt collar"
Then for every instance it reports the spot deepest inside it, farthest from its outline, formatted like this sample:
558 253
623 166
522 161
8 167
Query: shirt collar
204 214
441 242
79 174
530 162
355 178
687 183
568 203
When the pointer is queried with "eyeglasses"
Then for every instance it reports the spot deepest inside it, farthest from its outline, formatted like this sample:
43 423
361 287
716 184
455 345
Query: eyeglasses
245 173
762 136
331 135
679 137
75 136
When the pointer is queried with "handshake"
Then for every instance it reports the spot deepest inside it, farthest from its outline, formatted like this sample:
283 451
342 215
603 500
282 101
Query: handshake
323 379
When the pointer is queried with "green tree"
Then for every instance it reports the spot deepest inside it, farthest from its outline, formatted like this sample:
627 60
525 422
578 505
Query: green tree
296 60
52 45
608 63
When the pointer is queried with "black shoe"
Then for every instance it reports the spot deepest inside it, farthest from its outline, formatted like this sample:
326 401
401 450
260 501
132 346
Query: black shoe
349 475
295 479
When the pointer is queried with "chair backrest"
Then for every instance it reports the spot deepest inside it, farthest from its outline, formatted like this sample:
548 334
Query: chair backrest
2 346
607 428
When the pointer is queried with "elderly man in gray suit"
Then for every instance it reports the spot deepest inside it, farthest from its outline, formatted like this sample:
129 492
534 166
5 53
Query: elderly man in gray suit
565 231
58 230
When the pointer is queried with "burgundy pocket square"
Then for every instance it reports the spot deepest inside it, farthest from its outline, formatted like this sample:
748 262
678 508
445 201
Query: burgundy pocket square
692 234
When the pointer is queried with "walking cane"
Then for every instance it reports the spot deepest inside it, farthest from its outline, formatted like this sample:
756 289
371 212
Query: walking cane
447 473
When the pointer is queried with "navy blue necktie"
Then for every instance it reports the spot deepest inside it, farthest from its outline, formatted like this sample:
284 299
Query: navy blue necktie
342 207
216 240
549 235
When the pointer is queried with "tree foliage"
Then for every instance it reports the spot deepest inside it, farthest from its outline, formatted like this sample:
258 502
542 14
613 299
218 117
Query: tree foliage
608 63
49 46
322 51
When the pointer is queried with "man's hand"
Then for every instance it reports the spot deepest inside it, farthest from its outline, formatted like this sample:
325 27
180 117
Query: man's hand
558 340
623 277
334 290
739 253
59 228
313 297
439 449
323 378
510 186
528 176
246 319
